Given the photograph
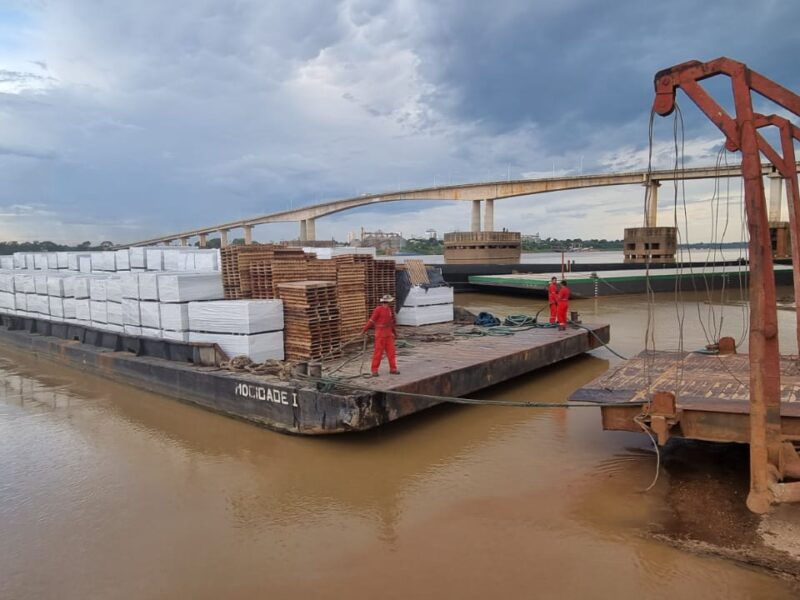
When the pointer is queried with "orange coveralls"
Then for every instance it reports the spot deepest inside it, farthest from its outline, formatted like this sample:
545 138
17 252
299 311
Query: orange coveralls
552 297
383 320
563 305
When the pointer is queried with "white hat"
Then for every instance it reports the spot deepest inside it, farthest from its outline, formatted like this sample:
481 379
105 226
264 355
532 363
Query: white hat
387 298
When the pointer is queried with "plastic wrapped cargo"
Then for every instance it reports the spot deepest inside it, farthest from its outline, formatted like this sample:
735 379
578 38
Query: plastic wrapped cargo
151 332
206 261
19 260
7 301
175 336
62 260
134 330
73 260
236 316
20 301
82 309
257 347
148 286
188 287
40 261
174 316
130 312
85 264
52 261
69 285
130 285
420 296
6 262
123 260
23 282
69 308
174 260
80 286
114 289
55 285
98 290
138 257
98 311
114 313
425 315
57 307
150 314
155 259
7 282
40 283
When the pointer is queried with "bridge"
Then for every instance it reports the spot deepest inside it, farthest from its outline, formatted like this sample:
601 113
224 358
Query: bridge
476 193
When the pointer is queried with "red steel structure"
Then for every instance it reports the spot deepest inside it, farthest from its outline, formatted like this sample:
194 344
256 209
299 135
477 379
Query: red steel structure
770 455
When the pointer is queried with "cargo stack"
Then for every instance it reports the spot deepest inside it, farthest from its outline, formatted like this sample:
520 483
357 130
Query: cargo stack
351 297
385 283
311 320
236 268
288 265
261 279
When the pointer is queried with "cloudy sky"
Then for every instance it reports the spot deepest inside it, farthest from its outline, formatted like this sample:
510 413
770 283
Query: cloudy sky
124 120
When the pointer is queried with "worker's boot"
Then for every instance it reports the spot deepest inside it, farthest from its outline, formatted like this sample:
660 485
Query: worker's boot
395 372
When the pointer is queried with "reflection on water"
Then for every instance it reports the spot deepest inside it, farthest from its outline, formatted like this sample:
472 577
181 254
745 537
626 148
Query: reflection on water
107 491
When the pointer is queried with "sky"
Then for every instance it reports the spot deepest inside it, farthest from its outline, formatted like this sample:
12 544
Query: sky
126 120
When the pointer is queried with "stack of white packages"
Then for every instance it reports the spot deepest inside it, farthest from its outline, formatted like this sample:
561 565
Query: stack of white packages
253 328
426 306
175 292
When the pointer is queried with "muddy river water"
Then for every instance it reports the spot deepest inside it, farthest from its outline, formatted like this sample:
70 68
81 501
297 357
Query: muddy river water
110 492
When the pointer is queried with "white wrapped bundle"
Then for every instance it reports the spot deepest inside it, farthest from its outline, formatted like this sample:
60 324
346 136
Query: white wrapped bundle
151 332
148 286
55 285
257 347
425 315
40 261
173 260
150 314
57 307
98 311
7 301
69 308
104 261
38 304
138 257
114 289
85 263
114 313
174 316
6 262
206 261
175 336
107 327
98 290
82 309
23 282
123 260
419 296
30 261
73 261
189 259
62 260
52 261
132 330
80 287
130 312
236 316
69 286
19 260
130 285
155 259
40 283
20 301
7 282
187 287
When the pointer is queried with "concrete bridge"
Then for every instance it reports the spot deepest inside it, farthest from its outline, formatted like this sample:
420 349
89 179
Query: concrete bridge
477 194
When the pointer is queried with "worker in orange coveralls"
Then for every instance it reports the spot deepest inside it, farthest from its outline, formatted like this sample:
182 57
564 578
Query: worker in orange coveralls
552 298
382 319
563 305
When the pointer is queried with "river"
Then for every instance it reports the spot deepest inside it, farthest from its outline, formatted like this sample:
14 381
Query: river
111 492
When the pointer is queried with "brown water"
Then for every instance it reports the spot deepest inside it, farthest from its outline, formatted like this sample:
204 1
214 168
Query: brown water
110 492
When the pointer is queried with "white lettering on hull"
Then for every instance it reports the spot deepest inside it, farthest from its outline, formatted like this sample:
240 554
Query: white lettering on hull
266 394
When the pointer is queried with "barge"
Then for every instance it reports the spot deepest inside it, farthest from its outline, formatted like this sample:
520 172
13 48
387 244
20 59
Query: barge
453 365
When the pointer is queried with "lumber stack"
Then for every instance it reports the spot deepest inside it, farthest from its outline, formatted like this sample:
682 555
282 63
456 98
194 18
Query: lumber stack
351 298
236 268
288 267
385 282
311 319
261 279
321 270
417 272
369 279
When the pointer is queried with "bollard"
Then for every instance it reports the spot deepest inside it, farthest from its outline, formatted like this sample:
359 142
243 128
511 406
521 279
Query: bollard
300 369
574 316
315 369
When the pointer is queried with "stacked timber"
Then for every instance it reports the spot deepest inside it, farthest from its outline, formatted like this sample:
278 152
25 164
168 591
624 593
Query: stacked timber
417 272
311 319
236 268
321 270
369 279
288 266
261 279
385 282
352 298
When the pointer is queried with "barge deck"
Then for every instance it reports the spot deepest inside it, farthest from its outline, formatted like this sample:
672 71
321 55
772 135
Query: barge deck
456 367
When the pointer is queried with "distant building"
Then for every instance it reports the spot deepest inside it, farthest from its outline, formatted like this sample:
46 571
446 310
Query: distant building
385 241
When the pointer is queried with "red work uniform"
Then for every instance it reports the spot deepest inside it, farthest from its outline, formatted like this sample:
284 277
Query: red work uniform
563 306
383 320
552 297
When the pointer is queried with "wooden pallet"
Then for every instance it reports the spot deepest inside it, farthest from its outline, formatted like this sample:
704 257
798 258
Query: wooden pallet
311 319
417 272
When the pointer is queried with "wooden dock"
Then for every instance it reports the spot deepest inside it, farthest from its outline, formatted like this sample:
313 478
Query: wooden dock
712 394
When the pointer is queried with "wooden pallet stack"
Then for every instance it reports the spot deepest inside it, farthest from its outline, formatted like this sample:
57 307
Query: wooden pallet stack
417 272
261 279
311 320
369 279
385 282
352 300
287 267
321 269
236 268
